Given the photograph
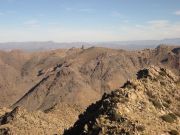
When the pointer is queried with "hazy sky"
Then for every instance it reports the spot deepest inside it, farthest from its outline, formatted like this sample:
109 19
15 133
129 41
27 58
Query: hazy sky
88 20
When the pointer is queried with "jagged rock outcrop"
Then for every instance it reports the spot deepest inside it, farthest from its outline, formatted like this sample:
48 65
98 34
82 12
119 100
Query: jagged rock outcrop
149 104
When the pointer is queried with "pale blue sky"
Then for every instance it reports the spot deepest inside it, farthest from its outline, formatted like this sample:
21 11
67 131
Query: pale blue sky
88 20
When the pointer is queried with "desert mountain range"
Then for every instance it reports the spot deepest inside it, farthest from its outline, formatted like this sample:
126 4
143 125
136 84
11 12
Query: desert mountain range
51 45
146 105
62 82
72 75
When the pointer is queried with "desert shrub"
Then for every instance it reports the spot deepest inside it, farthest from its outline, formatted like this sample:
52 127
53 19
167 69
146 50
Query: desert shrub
122 132
162 72
128 85
140 128
166 104
117 117
115 100
163 83
156 103
155 79
150 94
168 101
171 117
123 100
173 132
5 131
143 74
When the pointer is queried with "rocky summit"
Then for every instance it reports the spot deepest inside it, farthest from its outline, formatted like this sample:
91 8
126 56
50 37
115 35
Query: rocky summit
148 105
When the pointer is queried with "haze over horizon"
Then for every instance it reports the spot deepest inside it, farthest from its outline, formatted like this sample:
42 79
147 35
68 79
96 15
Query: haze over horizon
88 21
89 67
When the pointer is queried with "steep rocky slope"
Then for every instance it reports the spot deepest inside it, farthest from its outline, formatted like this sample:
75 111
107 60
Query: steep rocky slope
53 121
81 76
149 104
18 72
11 82
89 73
39 80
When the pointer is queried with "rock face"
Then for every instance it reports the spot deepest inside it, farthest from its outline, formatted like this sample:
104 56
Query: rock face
149 104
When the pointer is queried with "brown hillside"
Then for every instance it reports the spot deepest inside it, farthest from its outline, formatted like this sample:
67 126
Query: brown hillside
81 76
72 75
147 105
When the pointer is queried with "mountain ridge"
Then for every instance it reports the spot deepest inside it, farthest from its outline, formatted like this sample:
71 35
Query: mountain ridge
146 105
48 45
91 72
